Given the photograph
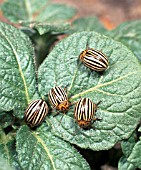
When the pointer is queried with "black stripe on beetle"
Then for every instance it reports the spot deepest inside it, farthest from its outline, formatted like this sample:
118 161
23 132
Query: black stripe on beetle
36 112
84 112
94 59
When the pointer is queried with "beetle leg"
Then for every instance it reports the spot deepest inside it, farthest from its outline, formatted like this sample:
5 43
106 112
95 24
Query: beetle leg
78 61
56 113
100 72
96 118
66 87
98 102
71 104
96 105
87 45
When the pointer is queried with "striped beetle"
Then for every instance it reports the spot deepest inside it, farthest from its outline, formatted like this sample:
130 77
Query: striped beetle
36 112
84 112
94 59
58 98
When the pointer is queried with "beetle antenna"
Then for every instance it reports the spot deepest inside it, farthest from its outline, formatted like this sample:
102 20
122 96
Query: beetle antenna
98 102
87 45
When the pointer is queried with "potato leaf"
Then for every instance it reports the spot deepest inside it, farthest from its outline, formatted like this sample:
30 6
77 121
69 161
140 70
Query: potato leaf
118 89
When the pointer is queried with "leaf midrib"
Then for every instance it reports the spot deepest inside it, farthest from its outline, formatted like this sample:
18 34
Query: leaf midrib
101 85
46 149
19 66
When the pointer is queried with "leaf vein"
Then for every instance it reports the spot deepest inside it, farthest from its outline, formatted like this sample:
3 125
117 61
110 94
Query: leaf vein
109 94
20 69
46 149
101 85
73 79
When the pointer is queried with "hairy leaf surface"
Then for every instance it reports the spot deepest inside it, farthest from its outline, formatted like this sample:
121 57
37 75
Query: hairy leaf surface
17 70
42 150
40 15
118 89
129 34
8 150
87 24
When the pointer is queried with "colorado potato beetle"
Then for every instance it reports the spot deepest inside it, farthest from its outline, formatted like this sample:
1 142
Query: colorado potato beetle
94 59
58 99
84 112
36 112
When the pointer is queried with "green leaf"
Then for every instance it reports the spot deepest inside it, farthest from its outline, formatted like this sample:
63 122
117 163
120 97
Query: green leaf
8 150
139 130
131 150
6 118
52 19
17 10
56 13
42 150
47 27
118 85
17 77
42 15
87 24
135 156
129 34
125 165
4 165
127 145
